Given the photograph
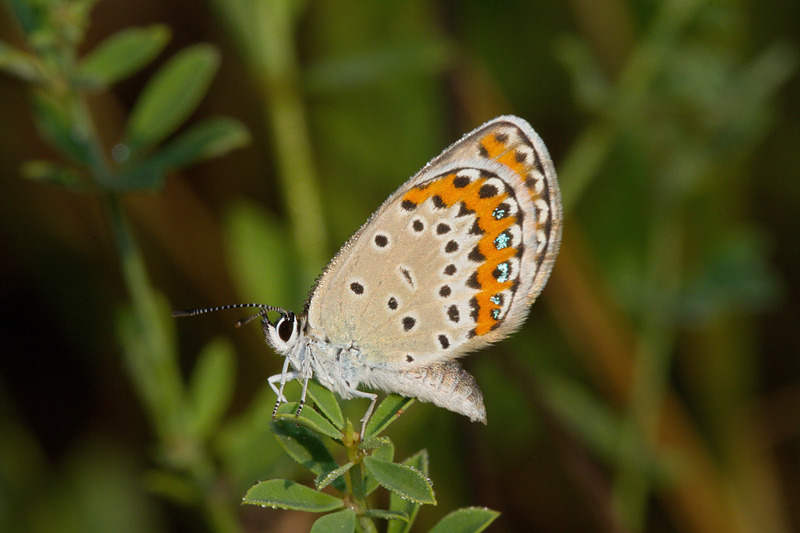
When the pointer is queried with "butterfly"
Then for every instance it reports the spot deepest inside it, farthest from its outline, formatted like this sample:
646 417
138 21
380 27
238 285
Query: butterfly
450 263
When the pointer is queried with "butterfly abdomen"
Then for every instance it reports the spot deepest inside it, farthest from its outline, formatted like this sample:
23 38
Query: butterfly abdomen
445 384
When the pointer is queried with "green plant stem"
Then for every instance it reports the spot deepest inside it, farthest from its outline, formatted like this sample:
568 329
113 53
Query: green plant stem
584 162
157 379
356 480
277 74
356 475
154 369
651 368
265 34
160 370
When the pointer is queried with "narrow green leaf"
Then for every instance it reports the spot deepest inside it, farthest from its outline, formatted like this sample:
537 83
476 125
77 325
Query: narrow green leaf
386 413
326 402
586 415
383 514
307 448
70 20
419 461
147 337
19 63
339 522
323 480
31 16
374 443
45 171
211 387
121 55
403 480
211 138
285 494
378 66
468 520
57 125
308 418
384 453
171 96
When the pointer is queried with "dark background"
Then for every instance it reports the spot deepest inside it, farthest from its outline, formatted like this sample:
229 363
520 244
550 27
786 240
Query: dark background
656 385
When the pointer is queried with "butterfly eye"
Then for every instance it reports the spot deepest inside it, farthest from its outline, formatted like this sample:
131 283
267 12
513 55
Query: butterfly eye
285 328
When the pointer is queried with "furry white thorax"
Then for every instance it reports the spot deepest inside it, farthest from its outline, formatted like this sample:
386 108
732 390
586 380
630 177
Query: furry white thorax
339 369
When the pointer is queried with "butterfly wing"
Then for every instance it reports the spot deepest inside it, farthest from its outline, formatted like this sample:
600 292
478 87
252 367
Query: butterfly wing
452 260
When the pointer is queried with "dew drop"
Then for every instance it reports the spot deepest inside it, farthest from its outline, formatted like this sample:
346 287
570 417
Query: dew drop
120 152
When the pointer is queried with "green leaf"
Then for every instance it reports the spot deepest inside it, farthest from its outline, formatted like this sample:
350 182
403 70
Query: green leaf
323 481
374 443
306 447
211 387
45 171
211 138
339 522
384 453
468 520
57 125
171 96
326 402
403 480
383 514
308 418
286 494
121 55
419 461
386 413
31 16
20 64
585 414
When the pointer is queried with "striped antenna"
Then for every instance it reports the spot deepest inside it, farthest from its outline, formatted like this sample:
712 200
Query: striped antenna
264 309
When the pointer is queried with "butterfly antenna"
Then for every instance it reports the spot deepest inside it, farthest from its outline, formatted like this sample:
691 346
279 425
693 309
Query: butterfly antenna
243 321
264 309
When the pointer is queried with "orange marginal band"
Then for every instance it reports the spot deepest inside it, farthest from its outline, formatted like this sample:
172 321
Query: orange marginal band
491 227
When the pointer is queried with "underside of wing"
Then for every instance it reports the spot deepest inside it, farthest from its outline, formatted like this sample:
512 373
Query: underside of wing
452 260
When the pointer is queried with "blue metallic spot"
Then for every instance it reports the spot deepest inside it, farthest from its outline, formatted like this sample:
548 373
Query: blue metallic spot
495 313
498 213
495 299
503 269
502 241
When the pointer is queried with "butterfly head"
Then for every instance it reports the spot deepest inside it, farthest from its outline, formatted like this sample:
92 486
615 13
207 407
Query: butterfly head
284 333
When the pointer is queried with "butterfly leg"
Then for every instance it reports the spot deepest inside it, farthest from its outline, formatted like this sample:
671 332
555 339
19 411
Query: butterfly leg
283 377
302 397
370 396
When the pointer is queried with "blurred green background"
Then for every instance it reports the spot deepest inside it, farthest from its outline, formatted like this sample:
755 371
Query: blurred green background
656 385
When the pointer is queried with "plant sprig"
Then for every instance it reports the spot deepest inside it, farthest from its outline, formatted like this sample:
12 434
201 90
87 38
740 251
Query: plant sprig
370 464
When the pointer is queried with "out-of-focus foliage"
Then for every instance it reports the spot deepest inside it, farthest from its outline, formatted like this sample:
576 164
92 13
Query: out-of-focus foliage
655 386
